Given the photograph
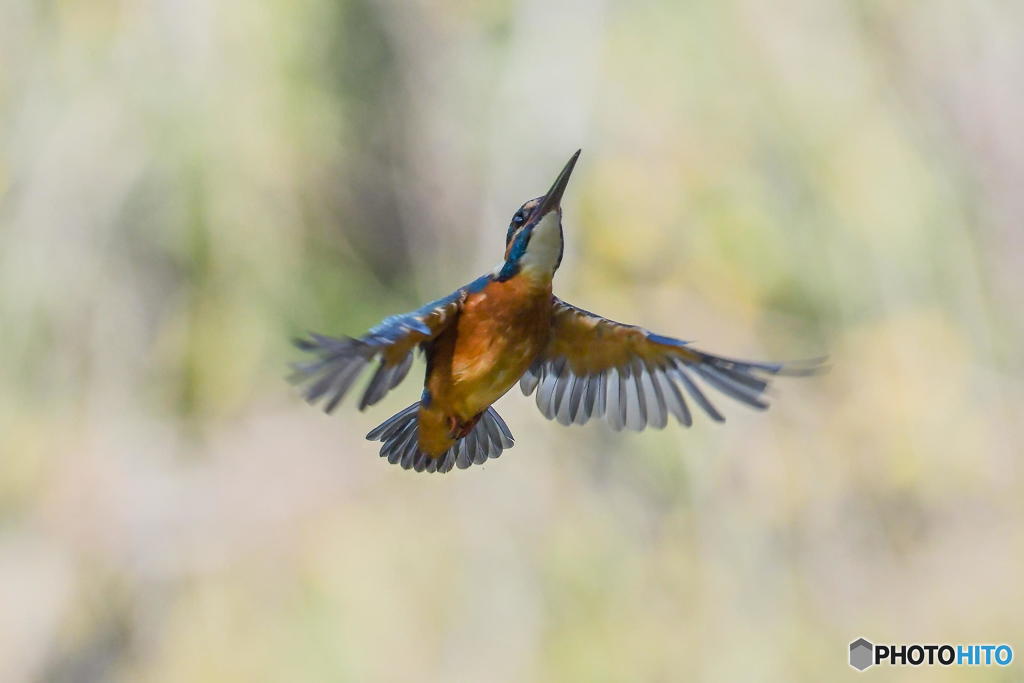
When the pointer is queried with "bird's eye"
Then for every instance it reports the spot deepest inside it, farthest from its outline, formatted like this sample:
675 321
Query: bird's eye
518 218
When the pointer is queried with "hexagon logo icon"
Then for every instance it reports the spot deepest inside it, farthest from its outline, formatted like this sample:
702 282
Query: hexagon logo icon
861 654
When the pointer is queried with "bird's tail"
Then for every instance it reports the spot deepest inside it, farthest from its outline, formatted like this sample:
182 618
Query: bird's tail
400 434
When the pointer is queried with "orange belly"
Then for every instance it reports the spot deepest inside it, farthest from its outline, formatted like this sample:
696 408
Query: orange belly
499 333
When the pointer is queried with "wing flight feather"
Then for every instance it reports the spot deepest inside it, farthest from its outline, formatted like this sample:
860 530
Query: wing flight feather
338 361
594 367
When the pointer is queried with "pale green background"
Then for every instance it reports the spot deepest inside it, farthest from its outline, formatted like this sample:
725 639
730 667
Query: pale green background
184 185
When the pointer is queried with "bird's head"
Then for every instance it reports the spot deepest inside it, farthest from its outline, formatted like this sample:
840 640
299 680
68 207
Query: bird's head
533 245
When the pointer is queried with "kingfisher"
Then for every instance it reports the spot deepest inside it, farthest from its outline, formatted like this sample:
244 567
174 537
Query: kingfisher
506 327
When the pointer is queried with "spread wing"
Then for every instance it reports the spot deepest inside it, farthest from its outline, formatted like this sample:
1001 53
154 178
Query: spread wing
339 361
595 367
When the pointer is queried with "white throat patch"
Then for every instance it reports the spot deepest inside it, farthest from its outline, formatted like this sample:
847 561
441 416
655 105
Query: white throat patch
544 248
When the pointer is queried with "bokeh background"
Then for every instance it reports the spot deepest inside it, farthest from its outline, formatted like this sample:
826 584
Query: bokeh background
184 185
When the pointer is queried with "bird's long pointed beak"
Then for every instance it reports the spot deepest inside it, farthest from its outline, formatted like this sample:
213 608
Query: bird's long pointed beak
554 196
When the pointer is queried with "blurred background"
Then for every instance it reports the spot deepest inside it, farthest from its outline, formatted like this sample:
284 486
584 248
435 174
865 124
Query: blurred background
185 185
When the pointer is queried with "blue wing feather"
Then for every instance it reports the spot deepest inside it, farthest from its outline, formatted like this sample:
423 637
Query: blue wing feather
667 341
340 360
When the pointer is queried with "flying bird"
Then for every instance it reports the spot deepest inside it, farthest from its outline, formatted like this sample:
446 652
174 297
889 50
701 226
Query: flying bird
506 327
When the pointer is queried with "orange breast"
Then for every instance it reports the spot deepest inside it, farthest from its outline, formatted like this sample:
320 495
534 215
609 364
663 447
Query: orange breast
500 331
